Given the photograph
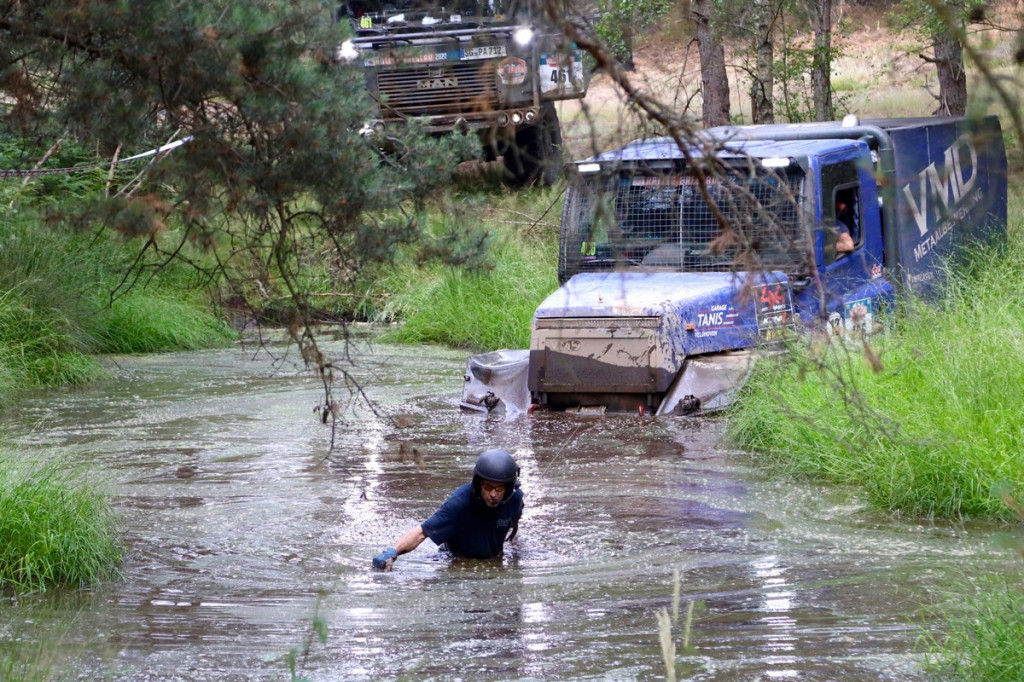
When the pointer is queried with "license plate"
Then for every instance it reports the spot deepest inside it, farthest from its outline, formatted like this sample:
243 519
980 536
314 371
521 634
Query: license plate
483 52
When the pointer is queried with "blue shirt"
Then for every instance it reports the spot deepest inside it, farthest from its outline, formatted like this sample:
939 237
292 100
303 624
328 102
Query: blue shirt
469 527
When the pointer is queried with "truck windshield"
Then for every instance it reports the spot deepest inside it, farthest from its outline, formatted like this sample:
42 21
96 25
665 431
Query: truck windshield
663 221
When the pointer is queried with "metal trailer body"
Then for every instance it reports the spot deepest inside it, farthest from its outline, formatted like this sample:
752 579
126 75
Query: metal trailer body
662 310
950 190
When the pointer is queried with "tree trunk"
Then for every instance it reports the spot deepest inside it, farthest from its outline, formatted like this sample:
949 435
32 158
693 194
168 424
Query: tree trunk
714 82
762 103
821 65
949 61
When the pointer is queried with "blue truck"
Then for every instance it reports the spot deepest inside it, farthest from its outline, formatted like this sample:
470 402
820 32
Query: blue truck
680 262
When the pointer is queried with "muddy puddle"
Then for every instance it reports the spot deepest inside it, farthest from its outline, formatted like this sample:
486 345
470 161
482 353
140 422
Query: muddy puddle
242 530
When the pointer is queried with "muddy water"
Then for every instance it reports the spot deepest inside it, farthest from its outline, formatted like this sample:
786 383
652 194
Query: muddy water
241 531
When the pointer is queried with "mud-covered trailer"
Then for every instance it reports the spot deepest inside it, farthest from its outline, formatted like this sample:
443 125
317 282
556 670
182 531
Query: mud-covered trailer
678 266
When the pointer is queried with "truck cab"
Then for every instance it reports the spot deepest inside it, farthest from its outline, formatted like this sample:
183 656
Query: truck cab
680 264
753 207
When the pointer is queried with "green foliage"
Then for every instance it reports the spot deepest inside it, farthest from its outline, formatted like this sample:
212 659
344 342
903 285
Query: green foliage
146 322
983 636
936 432
31 650
928 18
44 327
276 195
625 19
48 190
56 529
27 662
37 348
484 304
796 58
792 72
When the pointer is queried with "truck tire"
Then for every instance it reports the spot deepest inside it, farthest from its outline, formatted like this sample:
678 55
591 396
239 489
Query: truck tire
535 156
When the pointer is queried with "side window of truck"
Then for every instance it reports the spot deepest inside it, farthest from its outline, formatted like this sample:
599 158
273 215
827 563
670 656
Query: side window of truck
841 209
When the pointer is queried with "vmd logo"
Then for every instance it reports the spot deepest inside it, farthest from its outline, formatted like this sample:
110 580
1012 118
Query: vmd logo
437 83
944 187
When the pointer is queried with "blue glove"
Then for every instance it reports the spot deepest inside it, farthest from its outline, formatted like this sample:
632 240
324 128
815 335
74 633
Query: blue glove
385 559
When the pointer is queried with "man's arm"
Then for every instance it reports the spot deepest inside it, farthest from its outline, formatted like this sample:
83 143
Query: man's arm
845 242
409 541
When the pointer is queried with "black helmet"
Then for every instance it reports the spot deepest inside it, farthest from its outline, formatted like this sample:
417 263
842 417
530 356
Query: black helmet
498 466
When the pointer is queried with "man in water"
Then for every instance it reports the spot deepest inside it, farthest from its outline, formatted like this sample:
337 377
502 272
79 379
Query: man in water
476 520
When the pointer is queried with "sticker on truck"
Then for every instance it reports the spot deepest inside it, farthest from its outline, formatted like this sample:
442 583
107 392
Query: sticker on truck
711 320
561 72
425 58
774 304
859 316
465 54
511 71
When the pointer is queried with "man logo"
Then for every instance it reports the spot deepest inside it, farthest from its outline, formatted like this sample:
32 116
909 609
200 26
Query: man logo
437 83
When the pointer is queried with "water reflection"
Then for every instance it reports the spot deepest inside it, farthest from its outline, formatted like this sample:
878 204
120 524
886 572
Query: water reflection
238 526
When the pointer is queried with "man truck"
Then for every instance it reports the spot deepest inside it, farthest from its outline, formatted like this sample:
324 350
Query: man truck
680 263
490 67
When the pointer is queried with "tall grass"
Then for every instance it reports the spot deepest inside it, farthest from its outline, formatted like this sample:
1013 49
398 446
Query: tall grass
27 661
56 312
490 305
37 347
936 432
56 529
668 630
31 650
982 640
150 322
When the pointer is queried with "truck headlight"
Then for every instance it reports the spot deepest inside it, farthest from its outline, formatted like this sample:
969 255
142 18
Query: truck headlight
348 51
523 36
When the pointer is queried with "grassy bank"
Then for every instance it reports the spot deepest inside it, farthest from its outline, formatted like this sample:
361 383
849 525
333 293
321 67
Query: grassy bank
56 529
57 314
936 431
63 299
490 304
983 638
